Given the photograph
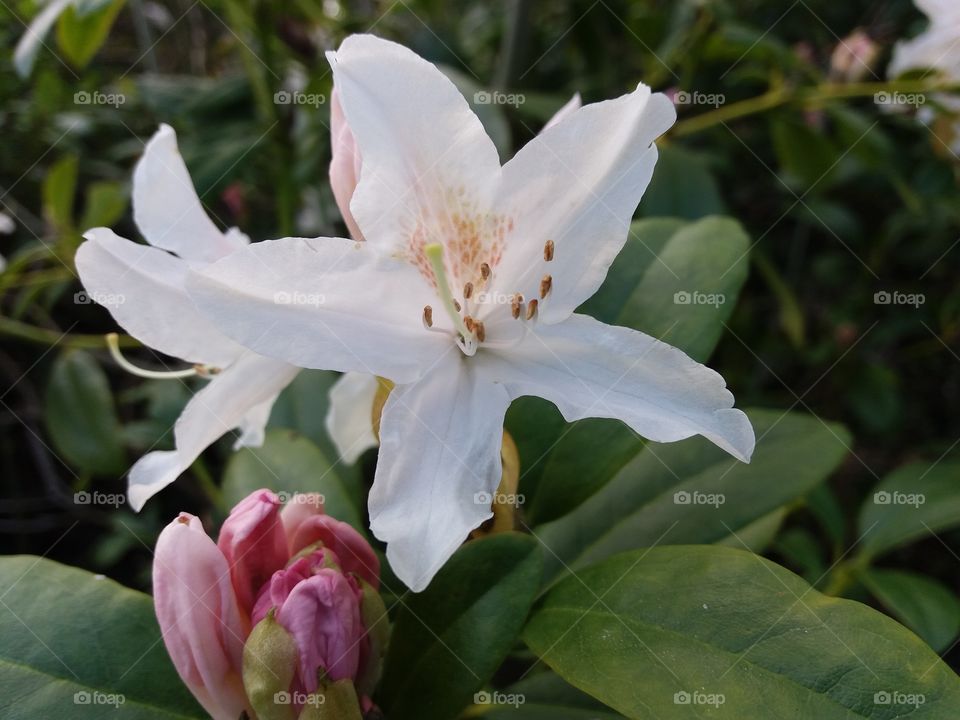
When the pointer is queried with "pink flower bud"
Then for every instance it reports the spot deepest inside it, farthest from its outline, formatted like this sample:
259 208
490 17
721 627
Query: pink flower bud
254 543
354 552
345 164
318 574
199 617
322 613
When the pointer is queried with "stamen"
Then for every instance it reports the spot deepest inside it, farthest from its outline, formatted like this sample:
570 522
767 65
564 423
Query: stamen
532 309
485 271
467 291
481 332
113 342
428 316
548 251
470 323
516 305
545 285
434 254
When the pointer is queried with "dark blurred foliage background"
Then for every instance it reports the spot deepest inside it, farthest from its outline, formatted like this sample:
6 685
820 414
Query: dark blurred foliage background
841 200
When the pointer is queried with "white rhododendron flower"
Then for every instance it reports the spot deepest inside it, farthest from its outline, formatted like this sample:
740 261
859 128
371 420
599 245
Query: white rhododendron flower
349 419
938 47
143 288
463 293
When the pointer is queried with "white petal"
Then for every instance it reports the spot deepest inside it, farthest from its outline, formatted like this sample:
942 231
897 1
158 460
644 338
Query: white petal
350 417
325 303
426 156
227 402
143 288
938 48
26 51
569 107
939 10
439 462
253 426
578 184
166 207
7 226
590 369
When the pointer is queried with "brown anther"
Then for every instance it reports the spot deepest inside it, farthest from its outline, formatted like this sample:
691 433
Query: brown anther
480 332
532 309
456 304
516 304
470 323
545 285
467 291
428 316
485 271
548 251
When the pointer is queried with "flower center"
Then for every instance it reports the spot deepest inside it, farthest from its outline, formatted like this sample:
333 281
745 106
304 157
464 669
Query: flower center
470 332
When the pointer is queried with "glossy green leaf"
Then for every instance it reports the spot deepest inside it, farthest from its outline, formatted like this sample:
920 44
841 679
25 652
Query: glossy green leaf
913 502
702 631
682 187
693 492
449 639
80 646
585 457
543 696
924 605
689 292
289 463
81 32
646 241
759 534
80 416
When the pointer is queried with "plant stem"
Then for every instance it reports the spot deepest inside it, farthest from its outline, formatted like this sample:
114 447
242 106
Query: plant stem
43 336
785 95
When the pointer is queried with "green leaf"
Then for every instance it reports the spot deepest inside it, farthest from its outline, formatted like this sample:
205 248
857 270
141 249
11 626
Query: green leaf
806 158
583 460
647 630
106 203
689 292
82 31
644 504
303 406
80 415
59 187
682 187
912 502
759 534
289 463
544 696
646 241
70 636
448 640
535 425
924 605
